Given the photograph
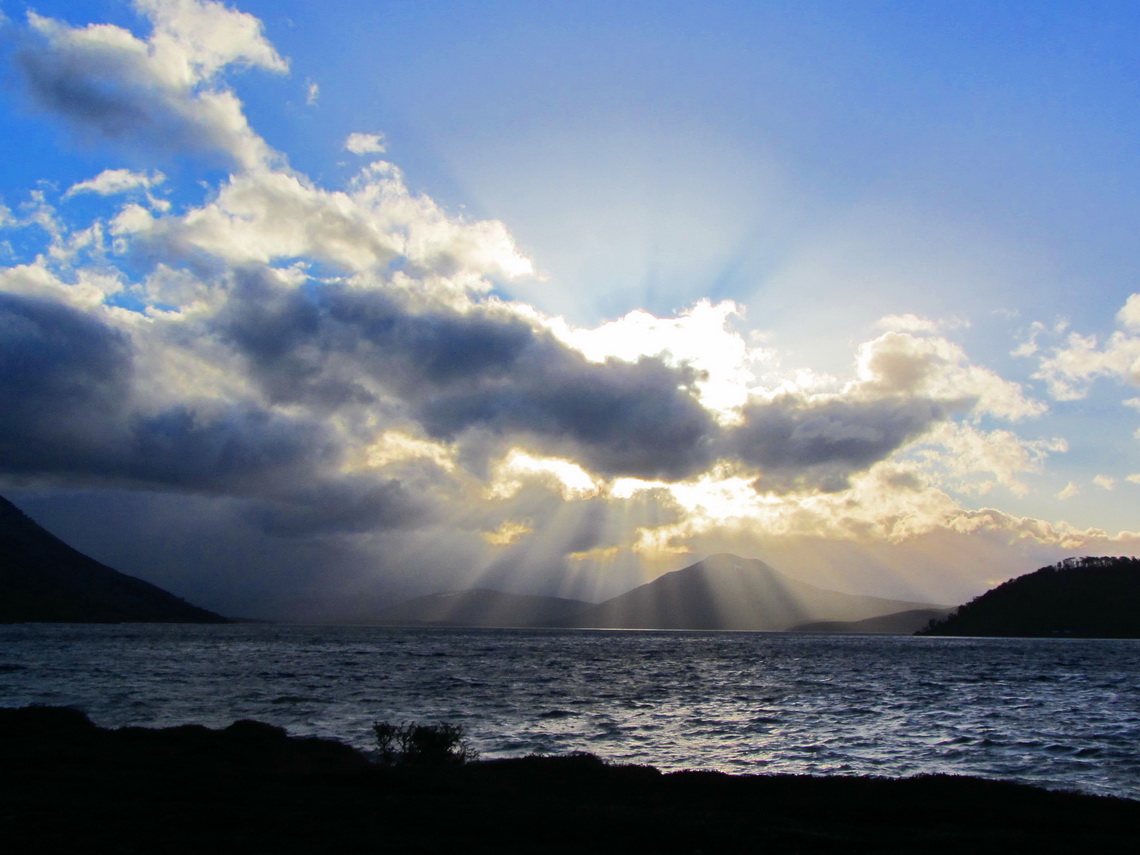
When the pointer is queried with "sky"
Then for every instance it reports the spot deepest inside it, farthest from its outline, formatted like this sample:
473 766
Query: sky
301 306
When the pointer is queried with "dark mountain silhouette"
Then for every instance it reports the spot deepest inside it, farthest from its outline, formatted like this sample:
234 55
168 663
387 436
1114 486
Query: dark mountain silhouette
481 607
1082 597
729 592
42 579
899 623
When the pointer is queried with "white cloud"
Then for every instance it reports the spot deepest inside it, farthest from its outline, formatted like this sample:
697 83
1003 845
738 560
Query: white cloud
974 461
365 144
1105 482
194 39
312 93
1070 369
907 323
569 479
163 92
1070 491
1015 528
904 364
508 533
887 505
89 289
1129 316
111 182
395 447
698 337
913 323
266 217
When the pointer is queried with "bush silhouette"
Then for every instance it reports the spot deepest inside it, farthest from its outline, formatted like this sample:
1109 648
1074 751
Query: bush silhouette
413 744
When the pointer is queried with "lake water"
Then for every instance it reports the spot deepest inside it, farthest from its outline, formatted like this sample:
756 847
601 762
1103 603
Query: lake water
1060 713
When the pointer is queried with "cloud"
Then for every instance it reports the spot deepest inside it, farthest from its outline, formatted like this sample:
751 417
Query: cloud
904 364
1071 489
89 290
111 182
1070 369
195 39
482 370
897 514
914 324
699 337
365 144
350 506
805 445
71 412
974 461
266 217
908 323
1129 315
616 418
63 379
161 94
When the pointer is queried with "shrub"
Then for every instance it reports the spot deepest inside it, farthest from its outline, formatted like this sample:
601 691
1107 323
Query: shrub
413 744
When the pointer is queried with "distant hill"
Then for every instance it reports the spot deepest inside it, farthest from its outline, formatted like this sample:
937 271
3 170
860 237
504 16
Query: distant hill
481 607
42 579
1080 597
729 592
898 623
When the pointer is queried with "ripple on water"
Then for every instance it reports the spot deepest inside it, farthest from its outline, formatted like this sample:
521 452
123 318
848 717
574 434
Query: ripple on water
1057 714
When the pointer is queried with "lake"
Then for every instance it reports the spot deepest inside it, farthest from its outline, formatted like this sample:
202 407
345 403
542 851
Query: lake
1058 713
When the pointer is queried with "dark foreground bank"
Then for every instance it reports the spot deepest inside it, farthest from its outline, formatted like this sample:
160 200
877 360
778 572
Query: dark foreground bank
66 785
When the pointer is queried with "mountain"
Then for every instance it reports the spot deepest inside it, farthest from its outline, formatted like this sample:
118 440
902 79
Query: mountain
481 607
899 623
1081 597
728 592
42 579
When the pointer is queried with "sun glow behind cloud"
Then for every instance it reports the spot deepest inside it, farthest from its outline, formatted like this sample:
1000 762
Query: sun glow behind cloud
343 365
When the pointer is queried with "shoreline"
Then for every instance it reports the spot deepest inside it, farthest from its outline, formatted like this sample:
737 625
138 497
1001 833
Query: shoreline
250 787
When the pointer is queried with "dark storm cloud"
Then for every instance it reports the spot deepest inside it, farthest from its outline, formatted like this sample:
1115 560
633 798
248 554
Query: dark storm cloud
66 392
62 375
482 376
799 444
485 373
639 419
440 347
290 348
239 450
482 370
315 349
351 506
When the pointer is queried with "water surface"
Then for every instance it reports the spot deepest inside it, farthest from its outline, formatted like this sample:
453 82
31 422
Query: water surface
1061 713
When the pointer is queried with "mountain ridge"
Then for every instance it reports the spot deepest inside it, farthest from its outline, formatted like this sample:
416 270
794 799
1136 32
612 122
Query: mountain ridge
44 580
720 592
727 592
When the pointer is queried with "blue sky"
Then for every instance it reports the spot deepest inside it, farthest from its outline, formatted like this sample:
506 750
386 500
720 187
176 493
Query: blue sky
842 286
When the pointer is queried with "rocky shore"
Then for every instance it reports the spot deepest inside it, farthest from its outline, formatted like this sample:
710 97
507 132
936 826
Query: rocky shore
69 786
